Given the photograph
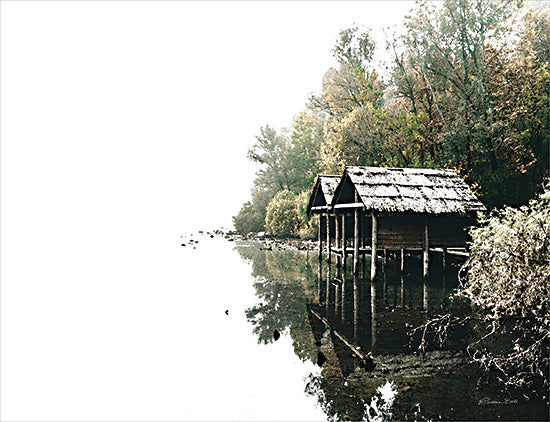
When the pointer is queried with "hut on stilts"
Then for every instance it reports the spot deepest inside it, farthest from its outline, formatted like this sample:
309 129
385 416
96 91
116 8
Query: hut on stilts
320 203
383 209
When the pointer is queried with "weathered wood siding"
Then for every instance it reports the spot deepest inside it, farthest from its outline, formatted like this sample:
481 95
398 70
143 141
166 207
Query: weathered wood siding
400 231
405 231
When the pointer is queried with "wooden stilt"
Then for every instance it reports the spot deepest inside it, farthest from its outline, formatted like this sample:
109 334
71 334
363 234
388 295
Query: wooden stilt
329 248
327 302
336 299
373 247
356 238
337 235
363 255
343 302
385 256
355 306
344 252
402 259
373 313
425 296
320 280
426 249
320 238
402 291
444 257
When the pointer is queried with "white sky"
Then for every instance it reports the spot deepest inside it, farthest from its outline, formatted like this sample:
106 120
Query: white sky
153 105
124 124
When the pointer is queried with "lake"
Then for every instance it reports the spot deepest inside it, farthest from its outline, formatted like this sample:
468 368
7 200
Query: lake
227 330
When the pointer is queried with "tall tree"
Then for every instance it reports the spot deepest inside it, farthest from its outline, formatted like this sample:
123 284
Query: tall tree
449 69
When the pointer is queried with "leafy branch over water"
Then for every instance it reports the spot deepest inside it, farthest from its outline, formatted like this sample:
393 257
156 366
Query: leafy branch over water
508 286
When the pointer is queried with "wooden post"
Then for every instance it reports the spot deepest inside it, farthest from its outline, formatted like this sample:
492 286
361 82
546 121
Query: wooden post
327 303
402 291
337 230
426 249
356 238
402 259
444 256
343 307
336 299
320 238
425 296
363 245
355 306
373 313
320 280
373 247
385 256
328 238
344 253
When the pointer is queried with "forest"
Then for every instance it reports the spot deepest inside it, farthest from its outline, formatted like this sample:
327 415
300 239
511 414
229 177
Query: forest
467 89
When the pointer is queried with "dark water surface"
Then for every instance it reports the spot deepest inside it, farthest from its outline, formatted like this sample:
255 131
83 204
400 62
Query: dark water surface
358 333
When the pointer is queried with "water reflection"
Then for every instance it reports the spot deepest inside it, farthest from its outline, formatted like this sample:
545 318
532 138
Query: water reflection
360 332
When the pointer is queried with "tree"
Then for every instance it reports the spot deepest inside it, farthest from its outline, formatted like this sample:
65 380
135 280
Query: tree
272 152
451 69
306 141
351 87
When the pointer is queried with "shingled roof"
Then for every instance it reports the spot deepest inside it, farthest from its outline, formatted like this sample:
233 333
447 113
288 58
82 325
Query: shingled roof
391 190
323 191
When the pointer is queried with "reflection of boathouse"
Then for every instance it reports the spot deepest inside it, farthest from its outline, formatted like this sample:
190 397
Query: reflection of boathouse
377 209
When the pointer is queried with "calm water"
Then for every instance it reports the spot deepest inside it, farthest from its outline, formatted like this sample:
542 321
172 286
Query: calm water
172 332
359 332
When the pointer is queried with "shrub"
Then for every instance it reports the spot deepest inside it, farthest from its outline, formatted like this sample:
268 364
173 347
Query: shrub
307 226
249 219
508 280
282 217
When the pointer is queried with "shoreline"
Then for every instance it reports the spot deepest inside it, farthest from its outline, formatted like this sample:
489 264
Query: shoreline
274 243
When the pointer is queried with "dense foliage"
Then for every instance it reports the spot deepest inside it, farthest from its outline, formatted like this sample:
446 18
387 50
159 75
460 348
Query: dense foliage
282 216
509 285
467 89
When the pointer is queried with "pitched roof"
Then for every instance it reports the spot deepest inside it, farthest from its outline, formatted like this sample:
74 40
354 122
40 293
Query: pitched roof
427 191
323 191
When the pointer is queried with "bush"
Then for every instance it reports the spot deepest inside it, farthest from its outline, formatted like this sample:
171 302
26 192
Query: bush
307 226
508 280
282 216
249 219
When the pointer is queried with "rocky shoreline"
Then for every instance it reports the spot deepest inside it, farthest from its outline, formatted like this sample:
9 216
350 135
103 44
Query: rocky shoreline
273 243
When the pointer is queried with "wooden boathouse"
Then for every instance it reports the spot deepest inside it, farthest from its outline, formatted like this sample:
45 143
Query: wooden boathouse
378 209
320 202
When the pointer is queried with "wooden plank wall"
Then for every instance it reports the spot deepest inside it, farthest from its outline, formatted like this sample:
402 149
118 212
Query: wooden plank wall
404 231
400 232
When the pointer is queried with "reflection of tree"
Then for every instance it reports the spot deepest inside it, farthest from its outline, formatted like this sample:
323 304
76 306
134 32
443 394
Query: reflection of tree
285 284
353 397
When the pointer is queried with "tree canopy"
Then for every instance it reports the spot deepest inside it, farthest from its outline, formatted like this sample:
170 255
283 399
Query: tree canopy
467 89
